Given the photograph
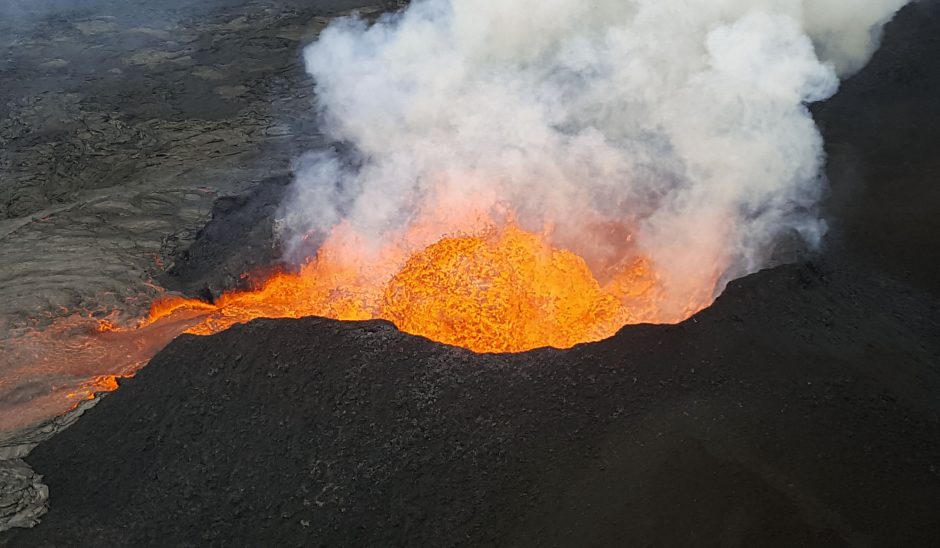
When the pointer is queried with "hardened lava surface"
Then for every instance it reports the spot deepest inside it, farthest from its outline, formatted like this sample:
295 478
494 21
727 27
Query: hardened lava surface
787 414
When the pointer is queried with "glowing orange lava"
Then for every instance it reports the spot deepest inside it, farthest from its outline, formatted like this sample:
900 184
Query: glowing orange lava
102 383
487 284
503 292
503 289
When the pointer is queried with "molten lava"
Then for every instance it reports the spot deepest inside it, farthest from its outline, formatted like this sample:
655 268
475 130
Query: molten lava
488 285
502 290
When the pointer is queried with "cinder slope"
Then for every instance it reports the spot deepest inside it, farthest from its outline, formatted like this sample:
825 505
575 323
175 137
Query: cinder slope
802 409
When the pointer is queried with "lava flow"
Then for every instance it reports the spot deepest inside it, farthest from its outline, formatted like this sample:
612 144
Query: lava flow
489 286
504 289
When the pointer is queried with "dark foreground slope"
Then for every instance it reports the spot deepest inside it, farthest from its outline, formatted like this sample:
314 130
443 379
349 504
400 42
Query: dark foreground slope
802 409
882 134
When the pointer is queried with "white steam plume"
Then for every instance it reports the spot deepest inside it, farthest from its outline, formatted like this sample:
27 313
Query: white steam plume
684 119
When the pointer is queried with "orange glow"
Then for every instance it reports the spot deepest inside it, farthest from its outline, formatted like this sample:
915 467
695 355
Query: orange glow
462 274
88 389
503 292
498 289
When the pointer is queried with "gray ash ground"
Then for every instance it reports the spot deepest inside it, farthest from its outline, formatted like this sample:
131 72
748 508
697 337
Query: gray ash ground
121 122
124 127
802 409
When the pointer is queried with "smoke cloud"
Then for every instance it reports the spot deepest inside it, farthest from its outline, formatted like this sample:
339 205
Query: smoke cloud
685 123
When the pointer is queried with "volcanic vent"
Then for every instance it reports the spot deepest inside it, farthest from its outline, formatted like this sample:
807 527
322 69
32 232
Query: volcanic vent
490 287
527 175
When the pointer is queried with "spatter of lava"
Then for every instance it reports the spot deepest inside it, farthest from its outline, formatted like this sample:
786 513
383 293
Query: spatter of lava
502 290
498 288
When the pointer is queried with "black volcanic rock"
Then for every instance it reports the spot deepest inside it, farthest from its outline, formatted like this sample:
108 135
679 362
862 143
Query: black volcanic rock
882 132
803 408
236 247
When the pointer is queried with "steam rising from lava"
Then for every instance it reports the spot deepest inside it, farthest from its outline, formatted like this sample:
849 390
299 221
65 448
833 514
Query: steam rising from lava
682 123
525 173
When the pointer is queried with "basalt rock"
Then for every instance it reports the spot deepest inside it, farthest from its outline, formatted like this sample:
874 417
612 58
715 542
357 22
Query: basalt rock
800 410
237 246
23 497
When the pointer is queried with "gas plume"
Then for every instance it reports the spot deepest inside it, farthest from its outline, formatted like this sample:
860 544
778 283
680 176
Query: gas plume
682 124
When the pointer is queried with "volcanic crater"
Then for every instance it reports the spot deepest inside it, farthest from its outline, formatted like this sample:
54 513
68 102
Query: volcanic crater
801 408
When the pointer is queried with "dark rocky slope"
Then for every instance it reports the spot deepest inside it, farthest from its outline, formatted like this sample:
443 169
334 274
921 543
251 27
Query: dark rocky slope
882 134
802 409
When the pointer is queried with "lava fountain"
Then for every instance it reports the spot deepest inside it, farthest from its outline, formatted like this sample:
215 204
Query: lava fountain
520 174
488 285
467 270
493 287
